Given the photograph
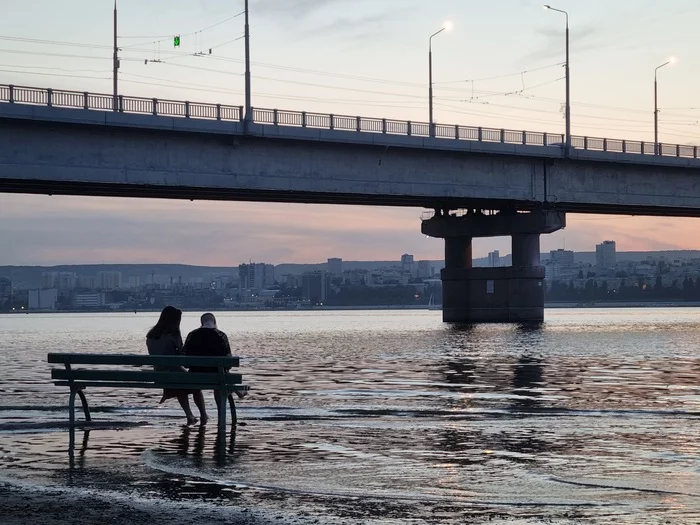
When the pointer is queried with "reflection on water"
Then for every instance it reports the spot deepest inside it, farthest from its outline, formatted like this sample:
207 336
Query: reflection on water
592 415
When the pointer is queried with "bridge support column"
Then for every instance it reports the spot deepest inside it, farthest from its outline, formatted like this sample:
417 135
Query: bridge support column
512 294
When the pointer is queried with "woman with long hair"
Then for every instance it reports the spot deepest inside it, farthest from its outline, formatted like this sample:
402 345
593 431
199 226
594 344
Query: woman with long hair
165 339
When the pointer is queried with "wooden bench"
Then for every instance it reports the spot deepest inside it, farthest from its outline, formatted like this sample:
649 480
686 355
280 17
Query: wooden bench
78 379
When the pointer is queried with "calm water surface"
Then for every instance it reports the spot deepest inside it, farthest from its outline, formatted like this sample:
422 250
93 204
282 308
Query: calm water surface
387 417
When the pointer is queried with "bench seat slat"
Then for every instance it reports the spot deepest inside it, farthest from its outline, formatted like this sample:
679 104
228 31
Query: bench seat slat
134 384
146 376
141 359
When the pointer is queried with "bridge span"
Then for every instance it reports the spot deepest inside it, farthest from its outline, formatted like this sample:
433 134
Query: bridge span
64 142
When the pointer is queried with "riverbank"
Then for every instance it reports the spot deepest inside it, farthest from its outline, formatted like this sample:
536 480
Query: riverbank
601 304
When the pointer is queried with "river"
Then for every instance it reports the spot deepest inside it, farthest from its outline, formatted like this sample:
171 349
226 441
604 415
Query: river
386 417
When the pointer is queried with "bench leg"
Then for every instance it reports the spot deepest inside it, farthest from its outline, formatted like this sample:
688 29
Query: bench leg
71 407
86 409
234 419
222 410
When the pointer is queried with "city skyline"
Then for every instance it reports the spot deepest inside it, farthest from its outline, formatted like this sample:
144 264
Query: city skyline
320 63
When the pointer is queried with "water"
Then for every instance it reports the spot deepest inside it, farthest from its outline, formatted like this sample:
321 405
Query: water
386 417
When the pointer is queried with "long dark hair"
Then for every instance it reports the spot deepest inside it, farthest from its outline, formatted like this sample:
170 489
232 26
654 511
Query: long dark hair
169 322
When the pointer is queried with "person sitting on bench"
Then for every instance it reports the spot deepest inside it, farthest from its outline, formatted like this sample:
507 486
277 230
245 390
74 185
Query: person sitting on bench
165 339
208 340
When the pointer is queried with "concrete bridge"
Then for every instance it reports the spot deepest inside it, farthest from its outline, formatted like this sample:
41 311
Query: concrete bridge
64 142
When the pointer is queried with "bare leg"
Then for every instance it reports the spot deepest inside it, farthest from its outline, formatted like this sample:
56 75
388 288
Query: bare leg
198 399
185 404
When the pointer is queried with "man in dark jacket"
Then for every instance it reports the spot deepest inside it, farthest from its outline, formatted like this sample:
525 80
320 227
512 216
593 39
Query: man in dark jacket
208 340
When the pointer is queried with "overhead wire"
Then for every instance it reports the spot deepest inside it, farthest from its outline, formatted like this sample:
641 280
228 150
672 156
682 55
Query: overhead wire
181 35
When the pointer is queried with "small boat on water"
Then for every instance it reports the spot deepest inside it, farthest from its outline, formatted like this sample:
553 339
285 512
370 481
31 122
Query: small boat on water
432 305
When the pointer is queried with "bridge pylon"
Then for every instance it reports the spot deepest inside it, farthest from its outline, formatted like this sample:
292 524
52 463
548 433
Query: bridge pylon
513 294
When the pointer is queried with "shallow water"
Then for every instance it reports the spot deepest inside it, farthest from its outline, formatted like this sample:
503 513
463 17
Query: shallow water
387 416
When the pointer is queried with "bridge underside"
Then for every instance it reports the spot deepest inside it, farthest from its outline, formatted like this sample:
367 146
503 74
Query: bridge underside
138 191
74 152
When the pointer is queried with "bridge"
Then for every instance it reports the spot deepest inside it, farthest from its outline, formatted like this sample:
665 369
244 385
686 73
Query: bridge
512 182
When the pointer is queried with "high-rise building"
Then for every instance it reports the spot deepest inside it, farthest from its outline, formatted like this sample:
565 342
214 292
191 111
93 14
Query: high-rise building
315 286
48 279
43 299
494 259
85 281
563 258
109 280
5 291
407 265
58 280
66 281
425 269
256 276
134 282
335 266
605 256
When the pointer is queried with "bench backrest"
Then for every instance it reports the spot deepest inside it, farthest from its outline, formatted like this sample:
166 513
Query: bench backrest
142 359
146 377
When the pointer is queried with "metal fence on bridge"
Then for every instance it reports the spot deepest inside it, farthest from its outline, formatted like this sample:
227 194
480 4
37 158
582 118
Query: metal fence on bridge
276 117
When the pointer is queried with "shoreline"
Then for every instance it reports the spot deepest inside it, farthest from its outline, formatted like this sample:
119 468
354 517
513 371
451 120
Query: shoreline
551 305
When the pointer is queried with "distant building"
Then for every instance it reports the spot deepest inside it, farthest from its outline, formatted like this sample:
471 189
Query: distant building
605 256
315 286
407 264
5 291
43 299
109 280
563 258
89 300
425 269
335 266
48 279
134 282
86 282
494 259
256 276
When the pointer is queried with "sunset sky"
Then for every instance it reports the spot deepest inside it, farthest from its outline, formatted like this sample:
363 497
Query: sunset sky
500 66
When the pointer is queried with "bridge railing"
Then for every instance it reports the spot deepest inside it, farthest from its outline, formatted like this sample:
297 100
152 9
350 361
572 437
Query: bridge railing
103 102
302 119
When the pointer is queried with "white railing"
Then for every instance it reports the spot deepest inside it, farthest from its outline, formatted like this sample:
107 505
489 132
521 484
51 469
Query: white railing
276 117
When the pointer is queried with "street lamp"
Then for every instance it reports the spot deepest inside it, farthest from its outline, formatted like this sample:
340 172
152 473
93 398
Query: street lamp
447 26
568 81
671 60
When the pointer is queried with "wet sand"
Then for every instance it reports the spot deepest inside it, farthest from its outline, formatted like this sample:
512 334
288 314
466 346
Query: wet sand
53 506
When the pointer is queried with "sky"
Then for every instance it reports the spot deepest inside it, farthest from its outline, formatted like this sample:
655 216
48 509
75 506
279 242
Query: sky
501 65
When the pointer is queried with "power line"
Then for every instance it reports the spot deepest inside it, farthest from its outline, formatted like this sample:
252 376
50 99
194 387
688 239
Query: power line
61 55
57 69
483 79
199 31
51 74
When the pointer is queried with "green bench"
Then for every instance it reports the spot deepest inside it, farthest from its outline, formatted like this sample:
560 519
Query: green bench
78 379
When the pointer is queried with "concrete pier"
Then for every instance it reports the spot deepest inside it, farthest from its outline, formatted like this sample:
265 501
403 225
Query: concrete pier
512 294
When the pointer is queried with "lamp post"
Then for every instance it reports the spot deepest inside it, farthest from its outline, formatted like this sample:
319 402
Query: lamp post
248 106
656 104
568 80
115 65
446 27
